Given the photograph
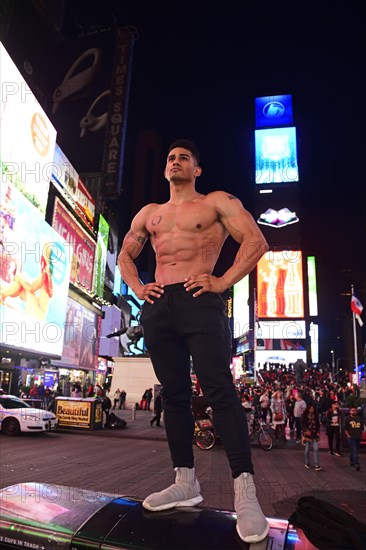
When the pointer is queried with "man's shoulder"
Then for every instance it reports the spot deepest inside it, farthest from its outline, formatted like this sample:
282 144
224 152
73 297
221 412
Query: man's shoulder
220 195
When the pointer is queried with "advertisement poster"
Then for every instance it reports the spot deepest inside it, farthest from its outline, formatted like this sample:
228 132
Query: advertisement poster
85 205
73 413
82 244
34 277
66 179
80 337
27 136
280 284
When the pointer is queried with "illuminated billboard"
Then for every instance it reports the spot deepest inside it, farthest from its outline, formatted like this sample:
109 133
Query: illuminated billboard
241 307
314 342
276 156
278 358
313 297
273 111
82 244
101 256
280 330
27 136
82 327
280 284
277 213
66 179
34 277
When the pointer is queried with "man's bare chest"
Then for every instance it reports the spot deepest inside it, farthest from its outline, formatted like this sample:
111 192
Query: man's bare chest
186 219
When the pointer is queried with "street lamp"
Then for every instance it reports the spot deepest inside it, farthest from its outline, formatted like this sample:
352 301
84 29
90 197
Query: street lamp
333 362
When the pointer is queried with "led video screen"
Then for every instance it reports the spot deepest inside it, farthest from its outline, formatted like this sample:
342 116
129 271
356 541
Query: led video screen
273 111
280 330
27 136
280 284
276 156
280 344
281 357
34 277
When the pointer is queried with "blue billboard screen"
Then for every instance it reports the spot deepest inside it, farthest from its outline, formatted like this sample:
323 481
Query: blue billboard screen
276 156
273 111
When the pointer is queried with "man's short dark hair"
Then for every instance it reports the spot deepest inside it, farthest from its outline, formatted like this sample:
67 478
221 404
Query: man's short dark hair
186 144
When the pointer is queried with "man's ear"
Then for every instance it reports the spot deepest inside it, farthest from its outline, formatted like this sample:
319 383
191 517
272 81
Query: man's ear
197 171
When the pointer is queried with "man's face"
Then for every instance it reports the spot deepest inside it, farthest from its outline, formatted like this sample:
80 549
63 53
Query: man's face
181 165
353 411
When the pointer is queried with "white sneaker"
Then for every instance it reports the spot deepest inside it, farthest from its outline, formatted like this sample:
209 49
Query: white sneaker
184 492
251 525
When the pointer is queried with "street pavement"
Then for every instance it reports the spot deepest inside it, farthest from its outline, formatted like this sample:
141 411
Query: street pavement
135 461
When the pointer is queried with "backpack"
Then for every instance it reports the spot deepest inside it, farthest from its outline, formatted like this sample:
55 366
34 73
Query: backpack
328 527
115 422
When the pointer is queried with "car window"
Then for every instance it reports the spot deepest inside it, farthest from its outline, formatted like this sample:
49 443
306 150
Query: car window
13 403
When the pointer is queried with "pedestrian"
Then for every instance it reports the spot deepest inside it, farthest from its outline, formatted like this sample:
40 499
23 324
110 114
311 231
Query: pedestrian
116 398
278 407
106 406
76 391
143 402
149 396
183 317
158 409
353 428
310 426
122 399
333 426
299 408
264 404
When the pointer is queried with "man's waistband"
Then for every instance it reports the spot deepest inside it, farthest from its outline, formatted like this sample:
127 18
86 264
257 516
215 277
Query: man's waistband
174 286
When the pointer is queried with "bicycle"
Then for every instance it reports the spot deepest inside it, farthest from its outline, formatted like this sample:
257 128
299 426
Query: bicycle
204 436
204 432
264 437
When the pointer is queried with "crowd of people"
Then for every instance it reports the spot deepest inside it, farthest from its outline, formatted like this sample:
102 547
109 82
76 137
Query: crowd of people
303 407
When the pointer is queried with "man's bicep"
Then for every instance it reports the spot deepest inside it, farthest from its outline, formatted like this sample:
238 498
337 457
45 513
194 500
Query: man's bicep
240 224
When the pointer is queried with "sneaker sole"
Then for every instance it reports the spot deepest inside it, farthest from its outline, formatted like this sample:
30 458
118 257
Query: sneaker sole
190 502
253 538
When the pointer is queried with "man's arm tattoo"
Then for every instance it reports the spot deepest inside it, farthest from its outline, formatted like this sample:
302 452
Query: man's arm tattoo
138 238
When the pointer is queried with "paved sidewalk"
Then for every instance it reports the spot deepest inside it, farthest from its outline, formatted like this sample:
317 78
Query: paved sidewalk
138 427
136 461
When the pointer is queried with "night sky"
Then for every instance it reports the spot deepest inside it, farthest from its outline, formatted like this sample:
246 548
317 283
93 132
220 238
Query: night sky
198 66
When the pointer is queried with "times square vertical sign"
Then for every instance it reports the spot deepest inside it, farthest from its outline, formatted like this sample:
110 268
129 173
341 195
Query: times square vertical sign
115 135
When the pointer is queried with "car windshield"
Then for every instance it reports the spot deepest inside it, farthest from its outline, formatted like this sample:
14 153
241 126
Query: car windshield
13 403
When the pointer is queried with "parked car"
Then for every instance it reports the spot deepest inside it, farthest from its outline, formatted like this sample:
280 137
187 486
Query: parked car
17 416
